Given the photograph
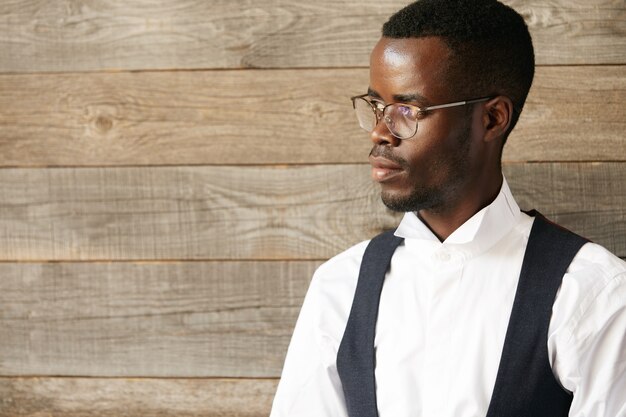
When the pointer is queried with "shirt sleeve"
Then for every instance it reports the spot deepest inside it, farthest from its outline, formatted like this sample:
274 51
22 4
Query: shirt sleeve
309 384
590 358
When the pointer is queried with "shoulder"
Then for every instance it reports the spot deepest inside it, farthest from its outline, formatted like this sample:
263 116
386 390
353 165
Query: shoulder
342 269
595 270
328 301
332 288
599 259
346 264
589 322
592 291
593 266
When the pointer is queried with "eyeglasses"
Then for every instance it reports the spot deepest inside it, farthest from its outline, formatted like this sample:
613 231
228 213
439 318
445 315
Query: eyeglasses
400 118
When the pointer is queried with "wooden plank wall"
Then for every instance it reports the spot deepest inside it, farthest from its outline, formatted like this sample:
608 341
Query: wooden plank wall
172 173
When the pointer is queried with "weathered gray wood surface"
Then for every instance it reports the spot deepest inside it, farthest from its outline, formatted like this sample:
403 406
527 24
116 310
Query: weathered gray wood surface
588 198
94 35
215 318
171 319
188 304
113 397
269 117
186 212
251 212
558 123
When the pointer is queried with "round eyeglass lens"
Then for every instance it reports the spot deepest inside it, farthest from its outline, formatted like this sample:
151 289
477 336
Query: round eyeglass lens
401 120
365 114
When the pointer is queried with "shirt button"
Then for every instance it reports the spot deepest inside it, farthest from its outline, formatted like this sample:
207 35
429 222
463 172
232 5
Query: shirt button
443 256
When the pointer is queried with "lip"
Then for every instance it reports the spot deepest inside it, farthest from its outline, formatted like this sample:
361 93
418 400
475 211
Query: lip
383 169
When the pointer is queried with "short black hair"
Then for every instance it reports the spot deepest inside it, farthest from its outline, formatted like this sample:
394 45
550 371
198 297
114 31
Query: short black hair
492 51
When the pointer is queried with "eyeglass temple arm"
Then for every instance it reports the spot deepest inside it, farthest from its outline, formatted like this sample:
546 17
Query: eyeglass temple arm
458 103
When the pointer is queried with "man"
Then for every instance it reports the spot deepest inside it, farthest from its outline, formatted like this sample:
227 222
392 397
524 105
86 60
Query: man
472 319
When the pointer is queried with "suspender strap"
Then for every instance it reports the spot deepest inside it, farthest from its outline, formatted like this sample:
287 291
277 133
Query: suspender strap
356 356
525 384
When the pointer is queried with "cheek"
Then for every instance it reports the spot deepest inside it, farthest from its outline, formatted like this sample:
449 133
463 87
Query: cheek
440 147
435 136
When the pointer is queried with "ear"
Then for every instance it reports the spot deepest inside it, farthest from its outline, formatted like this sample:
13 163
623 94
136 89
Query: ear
497 117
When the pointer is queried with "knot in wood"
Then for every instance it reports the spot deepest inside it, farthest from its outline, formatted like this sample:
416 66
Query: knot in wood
103 124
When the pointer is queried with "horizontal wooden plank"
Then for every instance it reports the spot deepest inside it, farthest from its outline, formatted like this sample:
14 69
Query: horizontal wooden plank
96 35
587 198
112 397
172 319
269 117
559 124
272 212
216 117
226 212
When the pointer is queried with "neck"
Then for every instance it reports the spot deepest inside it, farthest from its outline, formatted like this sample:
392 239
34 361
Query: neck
444 221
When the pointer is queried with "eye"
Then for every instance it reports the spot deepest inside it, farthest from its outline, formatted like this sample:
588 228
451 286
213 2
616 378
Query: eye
404 110
407 111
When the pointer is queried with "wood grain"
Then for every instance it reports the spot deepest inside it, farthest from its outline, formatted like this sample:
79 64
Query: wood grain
104 158
172 319
270 117
558 123
273 212
588 198
113 397
301 212
111 34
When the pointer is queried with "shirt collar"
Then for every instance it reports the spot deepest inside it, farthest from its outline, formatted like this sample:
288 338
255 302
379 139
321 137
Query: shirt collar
481 231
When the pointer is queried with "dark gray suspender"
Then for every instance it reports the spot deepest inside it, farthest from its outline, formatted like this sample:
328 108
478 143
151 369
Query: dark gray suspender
356 358
525 385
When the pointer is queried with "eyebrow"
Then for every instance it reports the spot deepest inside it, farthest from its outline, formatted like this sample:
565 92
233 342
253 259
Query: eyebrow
401 98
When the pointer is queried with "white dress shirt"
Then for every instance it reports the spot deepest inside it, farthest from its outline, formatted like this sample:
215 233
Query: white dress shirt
442 321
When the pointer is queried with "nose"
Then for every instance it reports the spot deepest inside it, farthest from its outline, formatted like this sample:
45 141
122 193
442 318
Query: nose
381 135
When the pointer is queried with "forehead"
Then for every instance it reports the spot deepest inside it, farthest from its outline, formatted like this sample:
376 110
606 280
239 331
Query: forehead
410 66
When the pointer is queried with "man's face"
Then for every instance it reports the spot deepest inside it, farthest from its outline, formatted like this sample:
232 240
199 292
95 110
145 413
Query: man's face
433 169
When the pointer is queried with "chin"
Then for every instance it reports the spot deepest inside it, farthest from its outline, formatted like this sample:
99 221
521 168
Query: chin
416 201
